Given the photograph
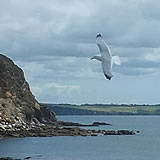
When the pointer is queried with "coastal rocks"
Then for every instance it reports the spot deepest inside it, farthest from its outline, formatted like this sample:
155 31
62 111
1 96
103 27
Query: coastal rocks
100 123
29 157
94 124
10 158
119 132
51 130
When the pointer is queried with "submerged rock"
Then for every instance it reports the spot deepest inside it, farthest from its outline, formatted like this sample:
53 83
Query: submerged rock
119 132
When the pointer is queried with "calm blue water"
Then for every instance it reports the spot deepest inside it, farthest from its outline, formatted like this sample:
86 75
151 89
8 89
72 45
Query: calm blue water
143 146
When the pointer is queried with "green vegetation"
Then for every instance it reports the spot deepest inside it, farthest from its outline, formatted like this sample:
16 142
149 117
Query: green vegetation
130 109
110 109
125 109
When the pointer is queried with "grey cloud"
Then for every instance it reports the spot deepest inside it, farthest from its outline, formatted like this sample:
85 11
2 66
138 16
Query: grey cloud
137 66
61 68
136 71
38 30
60 30
150 10
54 40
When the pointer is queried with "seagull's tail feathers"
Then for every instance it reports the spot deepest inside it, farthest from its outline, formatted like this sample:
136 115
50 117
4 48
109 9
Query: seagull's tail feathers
116 60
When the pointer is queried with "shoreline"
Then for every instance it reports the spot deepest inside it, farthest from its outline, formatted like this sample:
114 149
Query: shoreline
62 129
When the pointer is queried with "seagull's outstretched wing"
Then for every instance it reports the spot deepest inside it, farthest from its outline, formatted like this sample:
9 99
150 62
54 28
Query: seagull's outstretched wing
106 56
103 47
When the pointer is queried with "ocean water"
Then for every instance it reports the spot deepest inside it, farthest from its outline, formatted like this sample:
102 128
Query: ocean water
142 146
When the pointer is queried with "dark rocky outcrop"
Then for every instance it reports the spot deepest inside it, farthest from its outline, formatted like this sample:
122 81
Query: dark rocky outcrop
94 124
18 106
9 158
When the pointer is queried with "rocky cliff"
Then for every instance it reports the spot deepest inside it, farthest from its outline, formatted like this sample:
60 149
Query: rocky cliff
18 106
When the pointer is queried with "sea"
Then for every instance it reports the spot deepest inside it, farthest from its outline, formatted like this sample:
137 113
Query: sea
145 145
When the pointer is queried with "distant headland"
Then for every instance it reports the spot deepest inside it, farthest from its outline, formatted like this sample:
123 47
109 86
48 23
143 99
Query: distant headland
105 109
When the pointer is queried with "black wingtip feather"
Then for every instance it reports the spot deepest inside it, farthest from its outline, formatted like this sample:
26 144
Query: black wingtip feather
108 77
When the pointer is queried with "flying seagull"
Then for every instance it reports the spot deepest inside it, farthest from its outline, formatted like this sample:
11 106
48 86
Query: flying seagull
106 57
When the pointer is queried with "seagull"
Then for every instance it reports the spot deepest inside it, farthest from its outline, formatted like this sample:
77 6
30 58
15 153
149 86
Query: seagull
106 57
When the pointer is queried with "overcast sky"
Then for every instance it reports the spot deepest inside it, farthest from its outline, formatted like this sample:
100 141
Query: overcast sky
53 41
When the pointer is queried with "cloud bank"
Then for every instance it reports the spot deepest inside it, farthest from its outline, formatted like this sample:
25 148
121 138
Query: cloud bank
54 40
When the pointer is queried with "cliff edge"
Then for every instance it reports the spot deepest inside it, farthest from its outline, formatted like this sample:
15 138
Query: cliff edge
18 106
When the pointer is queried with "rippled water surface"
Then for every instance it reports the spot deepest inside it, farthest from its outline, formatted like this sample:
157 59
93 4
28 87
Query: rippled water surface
143 146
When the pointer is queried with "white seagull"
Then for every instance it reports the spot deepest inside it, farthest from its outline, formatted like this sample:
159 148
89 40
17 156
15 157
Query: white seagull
106 57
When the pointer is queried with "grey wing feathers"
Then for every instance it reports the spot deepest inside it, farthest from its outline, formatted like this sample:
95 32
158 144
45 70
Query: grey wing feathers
103 47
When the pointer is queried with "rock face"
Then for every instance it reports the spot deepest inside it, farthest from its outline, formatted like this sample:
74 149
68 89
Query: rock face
18 106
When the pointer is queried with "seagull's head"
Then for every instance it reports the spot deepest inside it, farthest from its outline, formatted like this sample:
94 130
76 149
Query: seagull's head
99 35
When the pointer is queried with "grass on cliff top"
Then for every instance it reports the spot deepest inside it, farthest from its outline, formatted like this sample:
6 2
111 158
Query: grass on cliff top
129 109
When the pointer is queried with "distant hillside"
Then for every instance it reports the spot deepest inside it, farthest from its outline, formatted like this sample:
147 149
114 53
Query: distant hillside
104 109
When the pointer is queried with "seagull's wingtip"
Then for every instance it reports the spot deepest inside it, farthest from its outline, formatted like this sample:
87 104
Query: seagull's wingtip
108 77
